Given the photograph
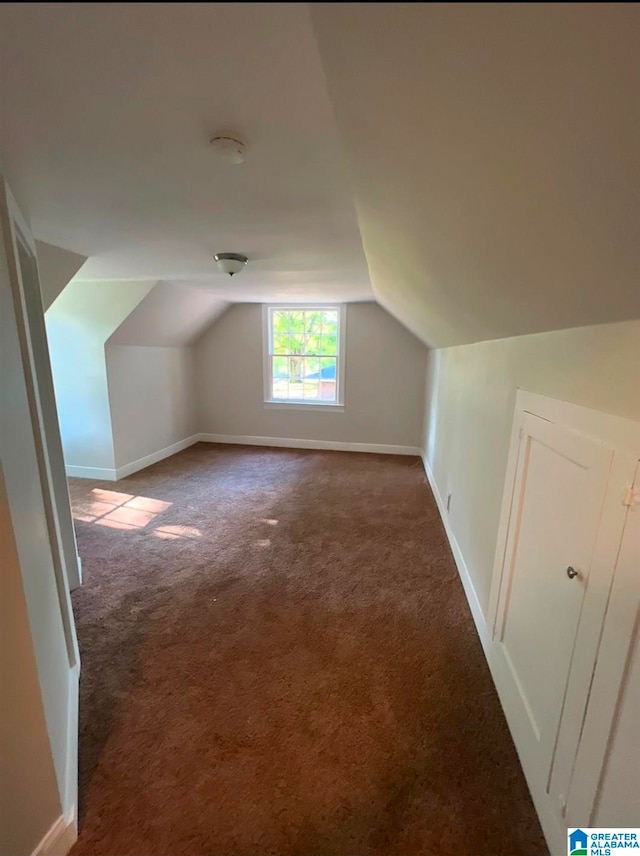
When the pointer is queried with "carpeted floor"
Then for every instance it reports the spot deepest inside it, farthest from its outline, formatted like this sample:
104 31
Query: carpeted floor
278 658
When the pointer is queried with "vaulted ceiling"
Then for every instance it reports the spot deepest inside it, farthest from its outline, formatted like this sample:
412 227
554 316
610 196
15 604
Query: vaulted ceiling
495 153
169 315
486 157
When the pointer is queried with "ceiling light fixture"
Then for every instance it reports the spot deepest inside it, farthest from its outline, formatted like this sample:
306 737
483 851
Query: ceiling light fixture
230 262
228 147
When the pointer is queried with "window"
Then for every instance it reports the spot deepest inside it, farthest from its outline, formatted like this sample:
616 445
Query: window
304 355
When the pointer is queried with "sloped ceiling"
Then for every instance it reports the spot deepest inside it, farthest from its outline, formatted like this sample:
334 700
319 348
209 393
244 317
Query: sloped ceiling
169 315
56 267
495 153
93 311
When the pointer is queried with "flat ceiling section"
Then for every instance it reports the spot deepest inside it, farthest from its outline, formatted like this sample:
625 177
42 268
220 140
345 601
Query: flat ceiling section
107 126
495 153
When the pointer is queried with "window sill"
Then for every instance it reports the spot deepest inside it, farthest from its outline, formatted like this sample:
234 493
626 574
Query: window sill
297 405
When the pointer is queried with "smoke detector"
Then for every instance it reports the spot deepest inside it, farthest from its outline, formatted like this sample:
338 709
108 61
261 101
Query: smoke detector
228 147
230 262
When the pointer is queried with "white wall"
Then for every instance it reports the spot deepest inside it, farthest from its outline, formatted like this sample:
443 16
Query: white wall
152 399
470 399
385 368
78 325
29 797
469 407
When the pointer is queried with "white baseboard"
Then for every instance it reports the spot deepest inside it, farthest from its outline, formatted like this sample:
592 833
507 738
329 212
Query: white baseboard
96 473
154 457
63 834
106 474
293 443
59 840
549 823
463 570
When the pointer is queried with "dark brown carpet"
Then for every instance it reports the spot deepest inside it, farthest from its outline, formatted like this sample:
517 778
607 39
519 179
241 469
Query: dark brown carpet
277 658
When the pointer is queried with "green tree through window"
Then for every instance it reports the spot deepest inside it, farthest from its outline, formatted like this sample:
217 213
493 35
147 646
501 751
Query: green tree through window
304 354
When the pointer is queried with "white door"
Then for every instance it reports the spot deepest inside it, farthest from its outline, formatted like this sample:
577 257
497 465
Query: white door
605 780
559 490
31 458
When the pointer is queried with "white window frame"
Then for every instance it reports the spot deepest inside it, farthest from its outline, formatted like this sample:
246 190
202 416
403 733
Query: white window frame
304 404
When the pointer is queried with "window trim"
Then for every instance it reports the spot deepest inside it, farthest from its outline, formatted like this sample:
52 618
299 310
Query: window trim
296 403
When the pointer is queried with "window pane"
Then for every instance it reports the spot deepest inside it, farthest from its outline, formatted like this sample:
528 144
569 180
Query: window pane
312 368
280 389
279 377
280 368
280 332
329 332
296 330
312 378
328 376
313 328
295 370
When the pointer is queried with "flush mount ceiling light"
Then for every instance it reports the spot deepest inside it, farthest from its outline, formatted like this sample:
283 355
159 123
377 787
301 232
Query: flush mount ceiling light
230 262
228 147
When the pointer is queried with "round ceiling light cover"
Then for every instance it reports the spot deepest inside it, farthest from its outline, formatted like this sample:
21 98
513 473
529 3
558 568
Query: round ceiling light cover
230 262
228 147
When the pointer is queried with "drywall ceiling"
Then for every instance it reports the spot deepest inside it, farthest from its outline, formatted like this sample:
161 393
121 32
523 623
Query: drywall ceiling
56 267
169 315
495 154
107 111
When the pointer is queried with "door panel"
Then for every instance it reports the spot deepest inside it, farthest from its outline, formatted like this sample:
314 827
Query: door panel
559 492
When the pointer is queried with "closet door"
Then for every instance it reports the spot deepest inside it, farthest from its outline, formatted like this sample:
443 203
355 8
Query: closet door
558 495
605 778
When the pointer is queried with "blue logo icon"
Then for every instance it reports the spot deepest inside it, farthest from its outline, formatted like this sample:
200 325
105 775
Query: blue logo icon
578 843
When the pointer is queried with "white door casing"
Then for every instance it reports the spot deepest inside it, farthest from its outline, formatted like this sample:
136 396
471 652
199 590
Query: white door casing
607 568
613 692
31 457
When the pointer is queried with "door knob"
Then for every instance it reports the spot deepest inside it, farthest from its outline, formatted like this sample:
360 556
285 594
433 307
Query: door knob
571 572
